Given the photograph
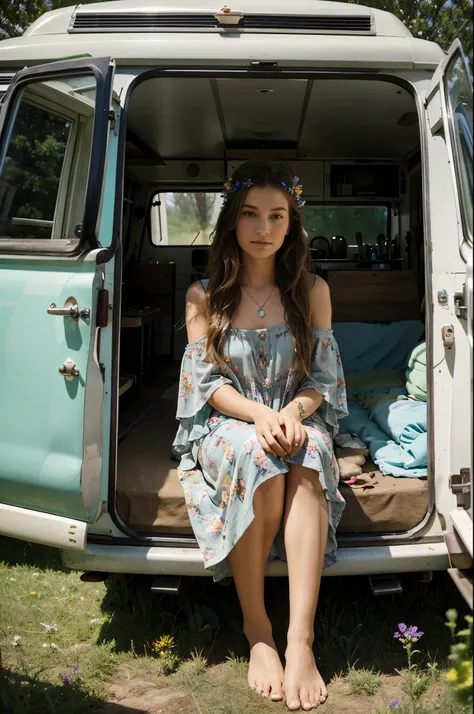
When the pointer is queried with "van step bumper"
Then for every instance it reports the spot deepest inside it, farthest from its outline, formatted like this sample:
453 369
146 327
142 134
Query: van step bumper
385 584
155 560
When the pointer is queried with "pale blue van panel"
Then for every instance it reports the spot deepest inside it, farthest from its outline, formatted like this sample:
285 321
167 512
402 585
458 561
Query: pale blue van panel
41 413
106 336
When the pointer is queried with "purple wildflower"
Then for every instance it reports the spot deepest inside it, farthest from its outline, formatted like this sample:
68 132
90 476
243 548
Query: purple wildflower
407 634
413 633
75 667
65 678
393 704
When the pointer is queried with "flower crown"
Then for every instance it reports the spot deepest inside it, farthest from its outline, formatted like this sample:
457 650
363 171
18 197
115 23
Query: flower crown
295 190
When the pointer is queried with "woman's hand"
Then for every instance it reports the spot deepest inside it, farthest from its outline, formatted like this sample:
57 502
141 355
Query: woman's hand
294 430
272 437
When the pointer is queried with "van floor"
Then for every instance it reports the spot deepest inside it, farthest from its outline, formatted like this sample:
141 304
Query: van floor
150 498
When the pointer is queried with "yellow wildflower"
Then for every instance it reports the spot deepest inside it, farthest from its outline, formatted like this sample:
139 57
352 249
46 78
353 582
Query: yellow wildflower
166 642
452 675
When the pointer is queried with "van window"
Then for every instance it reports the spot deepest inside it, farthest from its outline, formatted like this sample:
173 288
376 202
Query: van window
459 98
46 161
190 218
334 220
182 218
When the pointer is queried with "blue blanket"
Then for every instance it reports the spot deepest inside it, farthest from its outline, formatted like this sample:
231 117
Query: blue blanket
395 432
375 357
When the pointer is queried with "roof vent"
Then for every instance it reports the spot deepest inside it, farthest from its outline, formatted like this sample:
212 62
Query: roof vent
82 21
5 79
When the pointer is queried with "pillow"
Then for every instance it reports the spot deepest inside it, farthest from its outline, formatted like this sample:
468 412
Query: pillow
365 346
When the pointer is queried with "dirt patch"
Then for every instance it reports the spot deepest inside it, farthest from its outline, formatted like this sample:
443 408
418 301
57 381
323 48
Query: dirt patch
341 701
140 695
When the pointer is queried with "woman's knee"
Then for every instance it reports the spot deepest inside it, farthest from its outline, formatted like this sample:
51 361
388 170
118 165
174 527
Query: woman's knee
302 477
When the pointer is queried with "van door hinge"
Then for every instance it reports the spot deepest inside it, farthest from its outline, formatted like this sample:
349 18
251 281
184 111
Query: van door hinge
102 314
460 306
460 485
113 121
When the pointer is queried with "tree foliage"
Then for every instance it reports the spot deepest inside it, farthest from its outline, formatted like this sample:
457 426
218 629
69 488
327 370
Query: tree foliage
17 15
32 170
434 20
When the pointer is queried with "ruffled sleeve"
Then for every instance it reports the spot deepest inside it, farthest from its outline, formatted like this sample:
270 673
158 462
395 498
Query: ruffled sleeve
198 382
327 377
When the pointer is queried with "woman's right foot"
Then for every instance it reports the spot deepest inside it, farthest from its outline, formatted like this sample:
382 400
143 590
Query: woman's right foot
265 668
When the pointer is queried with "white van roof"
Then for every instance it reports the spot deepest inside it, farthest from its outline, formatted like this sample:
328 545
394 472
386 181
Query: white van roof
316 16
151 32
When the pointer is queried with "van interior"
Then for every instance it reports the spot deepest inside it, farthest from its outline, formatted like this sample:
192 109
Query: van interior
354 142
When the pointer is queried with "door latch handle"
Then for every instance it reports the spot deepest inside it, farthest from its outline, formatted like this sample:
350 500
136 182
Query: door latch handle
71 309
69 369
447 335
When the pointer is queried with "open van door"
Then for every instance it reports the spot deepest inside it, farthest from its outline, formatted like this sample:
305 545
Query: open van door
54 131
450 108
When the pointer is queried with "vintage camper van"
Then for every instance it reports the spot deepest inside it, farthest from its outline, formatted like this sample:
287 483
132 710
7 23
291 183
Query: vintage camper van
119 123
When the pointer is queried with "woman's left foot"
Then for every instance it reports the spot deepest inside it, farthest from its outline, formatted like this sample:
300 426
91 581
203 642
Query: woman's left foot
303 685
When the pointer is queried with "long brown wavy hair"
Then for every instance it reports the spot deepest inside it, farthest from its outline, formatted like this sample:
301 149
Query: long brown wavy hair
291 268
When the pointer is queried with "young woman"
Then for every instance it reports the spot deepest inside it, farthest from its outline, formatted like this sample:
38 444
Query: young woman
261 390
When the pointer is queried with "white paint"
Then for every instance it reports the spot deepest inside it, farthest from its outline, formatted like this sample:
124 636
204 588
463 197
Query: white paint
43 528
366 560
462 522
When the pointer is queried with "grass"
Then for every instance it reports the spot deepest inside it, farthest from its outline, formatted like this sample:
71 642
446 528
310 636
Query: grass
363 681
109 630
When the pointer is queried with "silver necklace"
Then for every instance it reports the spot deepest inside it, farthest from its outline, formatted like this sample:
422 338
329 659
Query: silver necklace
260 312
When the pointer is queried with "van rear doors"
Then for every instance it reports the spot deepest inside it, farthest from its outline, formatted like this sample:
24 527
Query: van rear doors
54 132
450 114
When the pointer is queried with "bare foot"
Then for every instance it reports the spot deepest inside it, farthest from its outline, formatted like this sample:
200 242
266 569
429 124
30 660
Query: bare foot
265 668
303 685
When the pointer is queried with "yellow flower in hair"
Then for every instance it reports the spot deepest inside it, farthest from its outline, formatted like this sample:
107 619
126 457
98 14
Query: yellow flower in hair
299 190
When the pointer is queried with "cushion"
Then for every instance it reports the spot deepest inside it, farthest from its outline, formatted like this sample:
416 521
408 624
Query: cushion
365 346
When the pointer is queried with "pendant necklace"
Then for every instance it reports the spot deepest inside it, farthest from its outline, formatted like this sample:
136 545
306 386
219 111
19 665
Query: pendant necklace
260 312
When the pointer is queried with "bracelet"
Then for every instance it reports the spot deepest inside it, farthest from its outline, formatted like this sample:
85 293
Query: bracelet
301 408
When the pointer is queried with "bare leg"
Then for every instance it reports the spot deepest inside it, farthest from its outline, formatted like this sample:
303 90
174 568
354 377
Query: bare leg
305 530
248 559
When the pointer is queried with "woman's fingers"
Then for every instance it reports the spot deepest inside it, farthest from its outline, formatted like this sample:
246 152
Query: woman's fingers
300 438
289 425
264 444
281 438
272 437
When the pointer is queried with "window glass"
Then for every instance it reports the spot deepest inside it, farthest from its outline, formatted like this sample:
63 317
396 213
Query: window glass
330 221
44 173
184 218
459 98
190 218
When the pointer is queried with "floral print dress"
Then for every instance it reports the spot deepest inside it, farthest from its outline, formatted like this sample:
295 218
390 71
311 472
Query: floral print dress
222 462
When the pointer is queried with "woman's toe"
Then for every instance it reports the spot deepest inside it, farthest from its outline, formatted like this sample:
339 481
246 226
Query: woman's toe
266 690
292 702
276 693
304 699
